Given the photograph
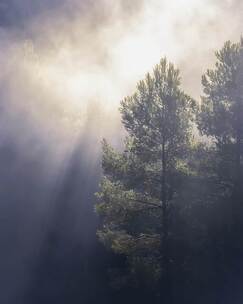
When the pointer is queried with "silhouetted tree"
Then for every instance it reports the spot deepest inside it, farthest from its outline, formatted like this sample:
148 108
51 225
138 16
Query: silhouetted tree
221 119
222 113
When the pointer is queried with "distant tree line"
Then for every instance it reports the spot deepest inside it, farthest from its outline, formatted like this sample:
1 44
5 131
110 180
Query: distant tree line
171 203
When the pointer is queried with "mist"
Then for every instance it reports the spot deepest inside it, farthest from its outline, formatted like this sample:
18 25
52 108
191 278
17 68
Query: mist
65 66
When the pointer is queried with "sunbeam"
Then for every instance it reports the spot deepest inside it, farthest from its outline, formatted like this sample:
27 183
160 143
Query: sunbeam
65 67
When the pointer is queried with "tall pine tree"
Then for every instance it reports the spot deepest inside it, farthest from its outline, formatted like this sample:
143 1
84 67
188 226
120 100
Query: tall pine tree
141 183
221 116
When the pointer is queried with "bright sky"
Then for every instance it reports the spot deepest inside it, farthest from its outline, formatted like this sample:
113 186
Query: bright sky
73 61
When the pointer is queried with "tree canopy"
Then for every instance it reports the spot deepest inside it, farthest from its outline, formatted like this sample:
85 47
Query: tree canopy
170 200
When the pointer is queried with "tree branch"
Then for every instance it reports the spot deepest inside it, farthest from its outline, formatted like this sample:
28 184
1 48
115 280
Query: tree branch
145 203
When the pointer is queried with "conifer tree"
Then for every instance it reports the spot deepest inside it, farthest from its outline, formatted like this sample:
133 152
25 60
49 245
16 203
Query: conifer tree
221 116
141 183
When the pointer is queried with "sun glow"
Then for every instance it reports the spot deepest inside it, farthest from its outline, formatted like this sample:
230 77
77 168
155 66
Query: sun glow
80 70
77 67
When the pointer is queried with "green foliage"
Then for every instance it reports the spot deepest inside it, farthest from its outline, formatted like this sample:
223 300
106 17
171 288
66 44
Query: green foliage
222 109
223 90
158 119
170 204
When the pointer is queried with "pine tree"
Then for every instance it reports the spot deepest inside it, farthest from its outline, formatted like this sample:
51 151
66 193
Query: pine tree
221 115
141 183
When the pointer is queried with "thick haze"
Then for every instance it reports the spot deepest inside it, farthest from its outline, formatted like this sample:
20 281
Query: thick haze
63 60
65 65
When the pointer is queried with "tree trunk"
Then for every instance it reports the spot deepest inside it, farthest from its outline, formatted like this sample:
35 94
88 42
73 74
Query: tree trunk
238 174
166 292
238 162
237 194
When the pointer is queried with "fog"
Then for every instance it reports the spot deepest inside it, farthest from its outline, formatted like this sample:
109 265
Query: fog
65 66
